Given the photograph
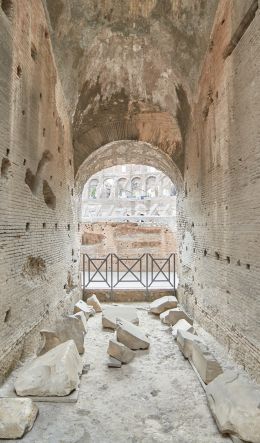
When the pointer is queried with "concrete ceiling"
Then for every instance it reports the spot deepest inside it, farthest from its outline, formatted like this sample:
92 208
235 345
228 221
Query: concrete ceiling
129 68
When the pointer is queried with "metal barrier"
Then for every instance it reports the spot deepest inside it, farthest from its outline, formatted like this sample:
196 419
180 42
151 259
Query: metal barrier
113 272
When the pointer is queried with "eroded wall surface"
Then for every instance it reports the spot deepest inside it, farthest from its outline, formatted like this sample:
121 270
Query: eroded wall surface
126 239
38 269
220 209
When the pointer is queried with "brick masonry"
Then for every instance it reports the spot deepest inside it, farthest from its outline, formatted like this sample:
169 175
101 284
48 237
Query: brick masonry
38 259
220 208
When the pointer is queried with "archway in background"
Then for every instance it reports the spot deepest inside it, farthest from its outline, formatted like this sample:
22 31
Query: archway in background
127 152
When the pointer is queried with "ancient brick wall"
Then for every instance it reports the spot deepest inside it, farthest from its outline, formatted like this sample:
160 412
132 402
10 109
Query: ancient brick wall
38 266
220 209
127 240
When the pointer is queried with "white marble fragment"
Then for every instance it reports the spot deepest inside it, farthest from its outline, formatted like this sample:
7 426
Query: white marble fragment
163 304
55 373
17 416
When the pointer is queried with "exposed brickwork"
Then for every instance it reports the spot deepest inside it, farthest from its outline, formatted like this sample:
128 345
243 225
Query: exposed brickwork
220 219
36 236
127 240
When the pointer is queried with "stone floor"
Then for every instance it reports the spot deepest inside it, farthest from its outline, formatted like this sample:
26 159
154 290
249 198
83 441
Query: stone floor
155 398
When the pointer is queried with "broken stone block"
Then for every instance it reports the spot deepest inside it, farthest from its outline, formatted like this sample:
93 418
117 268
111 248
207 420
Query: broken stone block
185 342
93 301
182 325
49 340
17 416
114 363
163 304
81 306
205 363
131 335
55 373
111 313
172 316
120 352
234 404
71 327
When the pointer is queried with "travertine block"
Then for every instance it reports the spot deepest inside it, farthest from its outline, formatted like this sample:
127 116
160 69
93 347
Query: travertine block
205 363
120 351
71 327
113 363
111 313
93 301
131 336
234 404
171 316
185 342
163 304
81 306
17 416
182 325
54 373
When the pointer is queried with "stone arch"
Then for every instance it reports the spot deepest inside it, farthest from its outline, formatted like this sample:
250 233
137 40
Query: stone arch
127 152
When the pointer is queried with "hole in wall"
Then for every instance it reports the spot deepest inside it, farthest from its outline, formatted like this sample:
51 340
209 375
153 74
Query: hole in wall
217 255
205 252
7 7
238 263
30 180
59 149
19 71
40 95
43 132
7 315
56 226
24 162
34 267
70 161
23 112
46 34
72 192
247 266
48 195
34 52
228 260
44 225
68 227
5 167
7 152
27 226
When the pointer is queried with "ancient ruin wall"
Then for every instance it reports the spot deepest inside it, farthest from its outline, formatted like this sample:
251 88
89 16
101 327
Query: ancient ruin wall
221 213
126 240
38 277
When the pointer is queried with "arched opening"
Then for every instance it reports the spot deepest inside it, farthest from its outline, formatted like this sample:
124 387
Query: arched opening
132 216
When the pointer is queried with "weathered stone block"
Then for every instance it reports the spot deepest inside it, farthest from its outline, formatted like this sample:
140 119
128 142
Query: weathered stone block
163 304
235 405
93 301
182 325
111 313
131 336
17 416
205 363
71 327
113 363
120 351
54 373
185 342
81 306
171 316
